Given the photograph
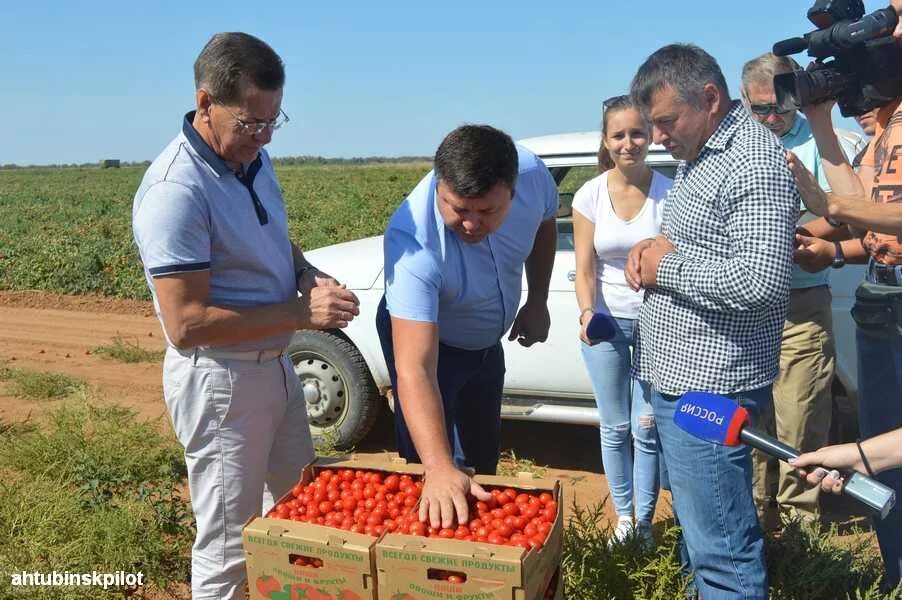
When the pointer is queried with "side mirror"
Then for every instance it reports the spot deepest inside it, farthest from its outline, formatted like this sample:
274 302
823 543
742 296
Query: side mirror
565 206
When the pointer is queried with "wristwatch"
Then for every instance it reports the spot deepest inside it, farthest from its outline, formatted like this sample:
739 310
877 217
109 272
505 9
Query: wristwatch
833 222
839 259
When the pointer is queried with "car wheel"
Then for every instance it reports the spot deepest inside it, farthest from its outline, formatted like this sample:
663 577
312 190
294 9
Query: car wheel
342 399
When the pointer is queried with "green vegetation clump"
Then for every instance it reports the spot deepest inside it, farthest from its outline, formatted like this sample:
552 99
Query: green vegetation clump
93 491
804 561
127 351
38 385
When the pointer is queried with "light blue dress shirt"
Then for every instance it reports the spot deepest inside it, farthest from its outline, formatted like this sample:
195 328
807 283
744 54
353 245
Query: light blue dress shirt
800 140
472 291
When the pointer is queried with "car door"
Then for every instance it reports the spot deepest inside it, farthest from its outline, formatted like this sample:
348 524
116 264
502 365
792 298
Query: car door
555 367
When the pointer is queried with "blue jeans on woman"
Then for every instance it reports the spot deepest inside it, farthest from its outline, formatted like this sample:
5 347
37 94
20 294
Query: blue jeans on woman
624 412
879 411
712 499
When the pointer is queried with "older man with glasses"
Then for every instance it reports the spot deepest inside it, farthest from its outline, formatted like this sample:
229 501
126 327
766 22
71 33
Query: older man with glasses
802 404
230 288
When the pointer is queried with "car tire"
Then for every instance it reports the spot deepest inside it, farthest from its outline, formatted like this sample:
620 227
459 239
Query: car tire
341 396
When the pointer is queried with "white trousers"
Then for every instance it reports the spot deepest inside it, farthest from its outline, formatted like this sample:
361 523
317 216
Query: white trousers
244 428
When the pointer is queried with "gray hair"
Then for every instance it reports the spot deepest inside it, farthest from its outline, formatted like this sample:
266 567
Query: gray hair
763 68
684 67
231 60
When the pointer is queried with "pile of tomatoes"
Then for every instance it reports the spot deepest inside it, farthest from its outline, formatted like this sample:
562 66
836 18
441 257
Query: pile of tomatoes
368 502
511 517
372 502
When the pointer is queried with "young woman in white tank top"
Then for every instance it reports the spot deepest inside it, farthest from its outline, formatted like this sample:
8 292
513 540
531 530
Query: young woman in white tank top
612 212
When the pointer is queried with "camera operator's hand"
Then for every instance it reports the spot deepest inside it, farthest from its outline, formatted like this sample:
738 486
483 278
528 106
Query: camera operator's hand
813 196
820 113
813 254
897 4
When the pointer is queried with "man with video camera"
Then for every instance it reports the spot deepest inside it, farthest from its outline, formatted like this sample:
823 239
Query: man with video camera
864 73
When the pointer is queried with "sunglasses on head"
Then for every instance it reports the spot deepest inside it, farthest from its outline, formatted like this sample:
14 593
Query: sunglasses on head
766 109
614 101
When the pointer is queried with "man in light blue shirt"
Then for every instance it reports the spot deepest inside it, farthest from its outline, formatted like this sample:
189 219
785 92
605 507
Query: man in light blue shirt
454 256
802 390
211 228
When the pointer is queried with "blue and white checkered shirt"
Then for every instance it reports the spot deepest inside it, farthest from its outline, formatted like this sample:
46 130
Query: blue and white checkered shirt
714 322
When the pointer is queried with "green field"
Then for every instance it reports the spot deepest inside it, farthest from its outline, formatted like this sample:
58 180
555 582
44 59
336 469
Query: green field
68 230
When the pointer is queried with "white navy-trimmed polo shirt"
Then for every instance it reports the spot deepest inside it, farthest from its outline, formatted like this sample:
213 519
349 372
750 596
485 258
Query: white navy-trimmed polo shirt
193 213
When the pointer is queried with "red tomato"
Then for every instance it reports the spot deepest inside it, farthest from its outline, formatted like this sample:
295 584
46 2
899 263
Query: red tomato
418 528
495 538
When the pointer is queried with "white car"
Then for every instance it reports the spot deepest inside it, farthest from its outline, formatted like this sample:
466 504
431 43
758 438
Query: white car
343 372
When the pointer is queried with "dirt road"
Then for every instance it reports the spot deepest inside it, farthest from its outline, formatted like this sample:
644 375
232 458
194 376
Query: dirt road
56 334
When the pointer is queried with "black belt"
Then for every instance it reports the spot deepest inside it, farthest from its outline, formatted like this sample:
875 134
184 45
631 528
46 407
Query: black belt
884 274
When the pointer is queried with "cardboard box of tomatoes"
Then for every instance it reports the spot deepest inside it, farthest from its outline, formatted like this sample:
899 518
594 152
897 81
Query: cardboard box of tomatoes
317 543
349 530
511 549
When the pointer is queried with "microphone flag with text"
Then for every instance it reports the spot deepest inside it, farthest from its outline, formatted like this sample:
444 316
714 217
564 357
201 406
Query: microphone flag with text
720 420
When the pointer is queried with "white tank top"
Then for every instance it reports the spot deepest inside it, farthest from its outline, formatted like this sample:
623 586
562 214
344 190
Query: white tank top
614 238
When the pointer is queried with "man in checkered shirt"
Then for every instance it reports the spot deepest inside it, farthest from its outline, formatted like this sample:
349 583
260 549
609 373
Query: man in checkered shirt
718 283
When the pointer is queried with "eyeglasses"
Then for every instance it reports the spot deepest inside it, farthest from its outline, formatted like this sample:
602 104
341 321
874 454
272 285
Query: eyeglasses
256 127
614 101
766 109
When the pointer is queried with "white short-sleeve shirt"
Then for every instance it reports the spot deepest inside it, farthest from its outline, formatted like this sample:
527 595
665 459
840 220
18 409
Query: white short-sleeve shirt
614 238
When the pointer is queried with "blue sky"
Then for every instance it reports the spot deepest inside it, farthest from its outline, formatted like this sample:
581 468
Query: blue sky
89 80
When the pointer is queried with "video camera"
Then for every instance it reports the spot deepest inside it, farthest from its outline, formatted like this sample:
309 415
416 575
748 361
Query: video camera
866 67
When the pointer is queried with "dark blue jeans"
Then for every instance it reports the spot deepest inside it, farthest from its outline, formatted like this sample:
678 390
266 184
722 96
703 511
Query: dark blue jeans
470 383
879 411
712 499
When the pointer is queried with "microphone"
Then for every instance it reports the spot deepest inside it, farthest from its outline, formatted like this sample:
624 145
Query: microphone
717 419
601 327
790 46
